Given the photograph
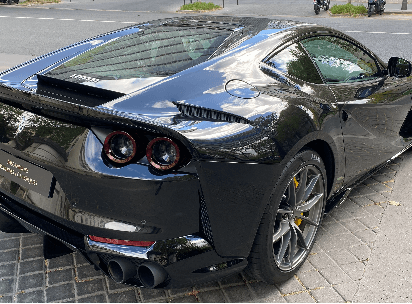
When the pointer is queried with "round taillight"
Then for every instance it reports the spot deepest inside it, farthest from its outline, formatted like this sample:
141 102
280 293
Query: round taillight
119 147
163 153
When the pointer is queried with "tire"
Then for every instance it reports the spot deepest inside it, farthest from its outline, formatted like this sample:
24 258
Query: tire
327 3
9 1
289 225
317 9
370 10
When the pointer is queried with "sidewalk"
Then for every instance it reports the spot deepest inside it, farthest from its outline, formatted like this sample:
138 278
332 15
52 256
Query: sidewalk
390 8
395 8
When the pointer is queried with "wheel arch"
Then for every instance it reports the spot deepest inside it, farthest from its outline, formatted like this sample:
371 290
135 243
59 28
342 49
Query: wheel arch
325 152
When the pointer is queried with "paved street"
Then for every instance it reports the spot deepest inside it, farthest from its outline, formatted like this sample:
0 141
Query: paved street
363 250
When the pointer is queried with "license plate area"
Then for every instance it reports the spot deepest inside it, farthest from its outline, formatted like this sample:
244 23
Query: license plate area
25 174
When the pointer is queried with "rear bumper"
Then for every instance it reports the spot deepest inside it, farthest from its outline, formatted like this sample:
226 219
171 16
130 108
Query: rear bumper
184 260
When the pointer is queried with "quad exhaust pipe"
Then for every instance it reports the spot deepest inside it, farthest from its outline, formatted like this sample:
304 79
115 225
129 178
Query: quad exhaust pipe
149 274
121 270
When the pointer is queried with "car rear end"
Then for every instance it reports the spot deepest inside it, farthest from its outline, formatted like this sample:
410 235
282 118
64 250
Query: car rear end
121 188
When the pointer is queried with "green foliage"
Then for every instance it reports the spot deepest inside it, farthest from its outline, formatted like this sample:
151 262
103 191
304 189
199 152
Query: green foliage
348 9
200 6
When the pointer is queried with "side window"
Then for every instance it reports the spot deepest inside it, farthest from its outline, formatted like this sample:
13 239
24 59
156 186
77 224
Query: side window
294 61
339 60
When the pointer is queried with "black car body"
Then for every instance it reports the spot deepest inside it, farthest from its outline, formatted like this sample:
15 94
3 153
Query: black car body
164 151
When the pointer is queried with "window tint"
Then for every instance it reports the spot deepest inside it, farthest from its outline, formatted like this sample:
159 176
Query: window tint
152 52
339 60
294 61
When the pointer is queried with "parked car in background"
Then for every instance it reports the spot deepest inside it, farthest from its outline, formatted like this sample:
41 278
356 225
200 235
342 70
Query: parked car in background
186 149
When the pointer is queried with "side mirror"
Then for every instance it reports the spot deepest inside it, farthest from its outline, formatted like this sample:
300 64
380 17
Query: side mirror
399 67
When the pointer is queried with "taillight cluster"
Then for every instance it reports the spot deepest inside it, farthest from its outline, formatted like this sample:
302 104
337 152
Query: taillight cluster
162 153
120 147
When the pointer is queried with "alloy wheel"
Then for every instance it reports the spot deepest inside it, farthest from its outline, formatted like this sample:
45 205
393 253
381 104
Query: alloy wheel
298 218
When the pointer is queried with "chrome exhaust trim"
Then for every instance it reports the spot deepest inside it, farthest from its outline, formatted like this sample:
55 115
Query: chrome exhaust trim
195 243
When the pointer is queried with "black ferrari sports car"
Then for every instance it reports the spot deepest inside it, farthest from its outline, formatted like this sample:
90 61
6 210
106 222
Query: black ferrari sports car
186 149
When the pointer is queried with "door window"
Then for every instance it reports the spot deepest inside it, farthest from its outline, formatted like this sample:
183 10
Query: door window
294 61
340 60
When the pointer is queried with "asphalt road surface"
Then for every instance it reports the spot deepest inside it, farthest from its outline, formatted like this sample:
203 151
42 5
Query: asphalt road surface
37 30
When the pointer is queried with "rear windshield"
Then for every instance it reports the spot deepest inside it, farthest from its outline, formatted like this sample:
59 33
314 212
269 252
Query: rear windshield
151 52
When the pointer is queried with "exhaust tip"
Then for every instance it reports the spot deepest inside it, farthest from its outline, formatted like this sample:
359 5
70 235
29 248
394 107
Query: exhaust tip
121 270
151 275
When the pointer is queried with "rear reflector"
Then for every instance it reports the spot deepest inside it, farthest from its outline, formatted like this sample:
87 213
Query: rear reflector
121 242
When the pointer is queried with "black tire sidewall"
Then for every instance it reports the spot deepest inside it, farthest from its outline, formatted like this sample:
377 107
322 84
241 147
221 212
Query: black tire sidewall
271 273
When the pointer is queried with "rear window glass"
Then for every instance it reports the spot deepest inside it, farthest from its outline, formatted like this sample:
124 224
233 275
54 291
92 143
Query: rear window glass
152 52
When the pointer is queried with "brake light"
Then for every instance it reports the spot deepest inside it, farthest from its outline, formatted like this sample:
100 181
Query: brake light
120 147
163 153
121 242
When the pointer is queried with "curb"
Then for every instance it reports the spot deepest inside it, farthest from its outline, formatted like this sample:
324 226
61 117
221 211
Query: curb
346 15
400 12
408 12
197 11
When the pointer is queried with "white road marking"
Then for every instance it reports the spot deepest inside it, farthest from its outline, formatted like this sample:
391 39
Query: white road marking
69 19
134 22
377 33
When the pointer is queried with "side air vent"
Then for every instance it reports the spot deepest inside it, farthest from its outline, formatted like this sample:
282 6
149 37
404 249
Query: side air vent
204 220
209 114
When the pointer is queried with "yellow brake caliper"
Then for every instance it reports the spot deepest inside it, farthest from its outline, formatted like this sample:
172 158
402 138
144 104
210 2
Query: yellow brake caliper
297 221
